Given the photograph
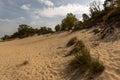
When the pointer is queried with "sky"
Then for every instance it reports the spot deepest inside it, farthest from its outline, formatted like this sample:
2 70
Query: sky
37 13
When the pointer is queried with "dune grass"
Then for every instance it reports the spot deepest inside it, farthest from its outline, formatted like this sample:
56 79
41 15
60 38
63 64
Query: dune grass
71 41
83 59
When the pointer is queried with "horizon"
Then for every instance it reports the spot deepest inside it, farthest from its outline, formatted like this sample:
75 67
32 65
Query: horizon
38 13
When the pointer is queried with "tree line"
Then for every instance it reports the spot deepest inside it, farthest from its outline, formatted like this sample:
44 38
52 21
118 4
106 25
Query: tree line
70 22
26 31
111 8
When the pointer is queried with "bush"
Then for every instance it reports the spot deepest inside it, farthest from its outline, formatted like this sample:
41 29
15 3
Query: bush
72 41
84 60
113 13
78 46
96 66
5 37
57 27
82 55
95 31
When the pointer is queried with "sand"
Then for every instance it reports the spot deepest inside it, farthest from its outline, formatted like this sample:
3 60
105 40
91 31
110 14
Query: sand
43 57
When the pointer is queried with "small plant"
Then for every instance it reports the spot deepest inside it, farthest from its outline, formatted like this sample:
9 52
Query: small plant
78 48
83 59
82 55
72 41
96 66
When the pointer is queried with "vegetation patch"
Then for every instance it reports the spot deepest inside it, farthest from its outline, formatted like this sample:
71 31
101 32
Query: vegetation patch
96 66
71 41
83 59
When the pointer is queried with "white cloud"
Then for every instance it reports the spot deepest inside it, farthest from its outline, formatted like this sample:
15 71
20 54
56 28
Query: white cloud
25 7
47 2
102 1
13 20
9 26
4 20
62 10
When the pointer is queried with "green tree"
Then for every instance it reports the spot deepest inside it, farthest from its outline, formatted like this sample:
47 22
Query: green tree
6 37
85 17
57 27
45 30
68 22
25 31
78 25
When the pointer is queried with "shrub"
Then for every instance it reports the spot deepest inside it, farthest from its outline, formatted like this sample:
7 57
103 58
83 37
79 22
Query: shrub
80 61
5 37
68 22
96 66
84 60
113 13
95 31
78 47
72 41
82 55
57 27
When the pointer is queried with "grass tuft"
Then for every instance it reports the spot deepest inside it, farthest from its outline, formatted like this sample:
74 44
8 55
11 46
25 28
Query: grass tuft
84 60
71 41
97 66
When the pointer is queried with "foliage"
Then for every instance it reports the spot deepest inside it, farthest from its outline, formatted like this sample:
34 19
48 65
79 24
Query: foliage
57 27
26 31
68 22
5 37
94 8
96 66
111 14
45 30
85 17
79 46
83 59
78 25
71 41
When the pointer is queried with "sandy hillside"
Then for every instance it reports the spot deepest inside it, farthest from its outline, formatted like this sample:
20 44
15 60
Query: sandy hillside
43 57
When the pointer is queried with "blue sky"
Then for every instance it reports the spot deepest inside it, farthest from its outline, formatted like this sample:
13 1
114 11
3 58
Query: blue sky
37 13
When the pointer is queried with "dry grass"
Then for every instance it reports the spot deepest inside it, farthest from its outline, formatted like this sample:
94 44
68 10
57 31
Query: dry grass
71 41
83 59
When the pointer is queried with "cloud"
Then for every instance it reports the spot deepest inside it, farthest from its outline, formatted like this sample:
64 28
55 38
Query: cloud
9 26
47 2
25 7
102 1
12 20
4 20
62 10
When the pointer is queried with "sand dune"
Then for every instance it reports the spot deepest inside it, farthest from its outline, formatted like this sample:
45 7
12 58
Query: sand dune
42 57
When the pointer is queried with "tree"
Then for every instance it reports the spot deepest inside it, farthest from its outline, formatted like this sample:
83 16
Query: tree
110 4
25 31
94 8
68 22
85 17
6 37
57 27
78 25
45 30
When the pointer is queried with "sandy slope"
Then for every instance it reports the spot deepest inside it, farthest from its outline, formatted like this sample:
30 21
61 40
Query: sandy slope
46 61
